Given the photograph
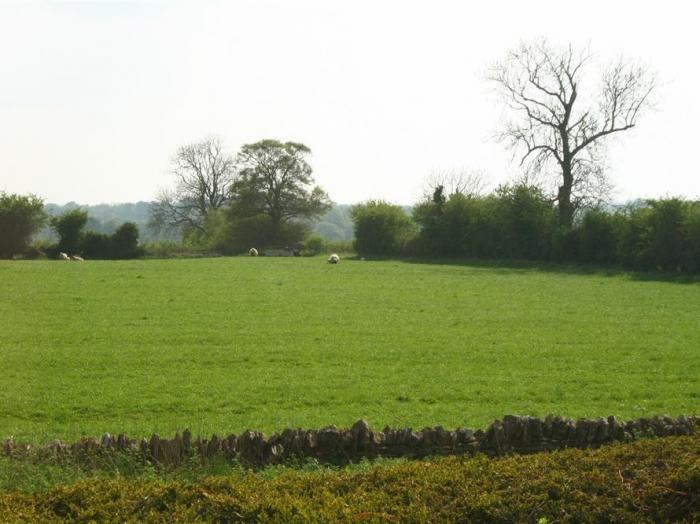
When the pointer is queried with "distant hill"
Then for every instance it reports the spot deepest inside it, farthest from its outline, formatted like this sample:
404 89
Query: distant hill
335 225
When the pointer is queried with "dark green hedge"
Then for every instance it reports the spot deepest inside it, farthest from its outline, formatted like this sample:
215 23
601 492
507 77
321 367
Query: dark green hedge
520 222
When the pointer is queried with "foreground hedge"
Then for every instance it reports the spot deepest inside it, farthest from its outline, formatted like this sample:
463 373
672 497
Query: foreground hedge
646 481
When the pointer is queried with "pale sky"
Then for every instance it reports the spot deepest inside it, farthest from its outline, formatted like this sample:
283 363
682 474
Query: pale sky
95 97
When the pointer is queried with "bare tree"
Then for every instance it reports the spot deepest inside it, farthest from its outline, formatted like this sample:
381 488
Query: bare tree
204 173
463 181
557 127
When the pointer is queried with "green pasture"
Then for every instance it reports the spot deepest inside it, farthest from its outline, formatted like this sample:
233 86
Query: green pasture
224 344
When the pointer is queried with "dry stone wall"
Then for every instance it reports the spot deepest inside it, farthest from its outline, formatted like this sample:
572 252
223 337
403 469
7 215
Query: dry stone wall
513 434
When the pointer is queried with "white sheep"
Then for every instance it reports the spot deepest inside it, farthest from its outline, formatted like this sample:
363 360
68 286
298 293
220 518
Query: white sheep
333 259
253 252
77 258
63 256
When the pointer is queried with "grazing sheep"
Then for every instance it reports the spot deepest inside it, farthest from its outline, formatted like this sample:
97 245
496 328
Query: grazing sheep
253 252
333 259
63 256
77 258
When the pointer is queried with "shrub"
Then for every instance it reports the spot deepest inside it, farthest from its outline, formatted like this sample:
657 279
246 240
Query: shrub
599 237
124 242
20 217
631 237
528 219
663 234
69 228
233 235
690 257
381 228
446 226
341 246
313 245
96 245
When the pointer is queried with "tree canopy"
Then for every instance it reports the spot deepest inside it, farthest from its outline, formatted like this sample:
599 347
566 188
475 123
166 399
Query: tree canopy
274 183
20 217
69 228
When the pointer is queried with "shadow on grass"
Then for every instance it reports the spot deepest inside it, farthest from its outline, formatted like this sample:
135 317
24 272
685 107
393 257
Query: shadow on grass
524 266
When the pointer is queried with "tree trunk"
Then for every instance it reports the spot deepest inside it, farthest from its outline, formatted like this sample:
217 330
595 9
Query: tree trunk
566 210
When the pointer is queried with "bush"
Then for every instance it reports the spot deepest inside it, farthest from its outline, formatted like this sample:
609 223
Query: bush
630 237
690 256
20 217
599 237
123 244
229 234
342 246
528 219
515 222
381 228
96 245
69 228
446 226
313 245
125 241
662 241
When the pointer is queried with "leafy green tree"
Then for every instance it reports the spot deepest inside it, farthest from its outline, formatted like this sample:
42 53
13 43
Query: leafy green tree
125 241
69 228
381 228
20 217
274 188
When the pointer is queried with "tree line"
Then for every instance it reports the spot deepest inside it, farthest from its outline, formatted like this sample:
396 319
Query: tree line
520 221
22 216
560 117
264 197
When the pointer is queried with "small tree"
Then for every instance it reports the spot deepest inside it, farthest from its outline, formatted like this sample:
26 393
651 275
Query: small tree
69 228
20 217
381 228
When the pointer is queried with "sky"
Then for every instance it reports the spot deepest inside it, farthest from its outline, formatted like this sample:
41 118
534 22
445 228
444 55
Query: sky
96 97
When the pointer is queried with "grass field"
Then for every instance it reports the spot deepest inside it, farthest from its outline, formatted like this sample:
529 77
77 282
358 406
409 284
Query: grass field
224 344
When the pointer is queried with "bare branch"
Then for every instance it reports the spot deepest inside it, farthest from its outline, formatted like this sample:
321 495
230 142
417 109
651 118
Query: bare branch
463 181
204 173
556 132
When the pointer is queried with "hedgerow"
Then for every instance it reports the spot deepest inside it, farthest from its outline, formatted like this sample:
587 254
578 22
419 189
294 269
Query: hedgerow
654 480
